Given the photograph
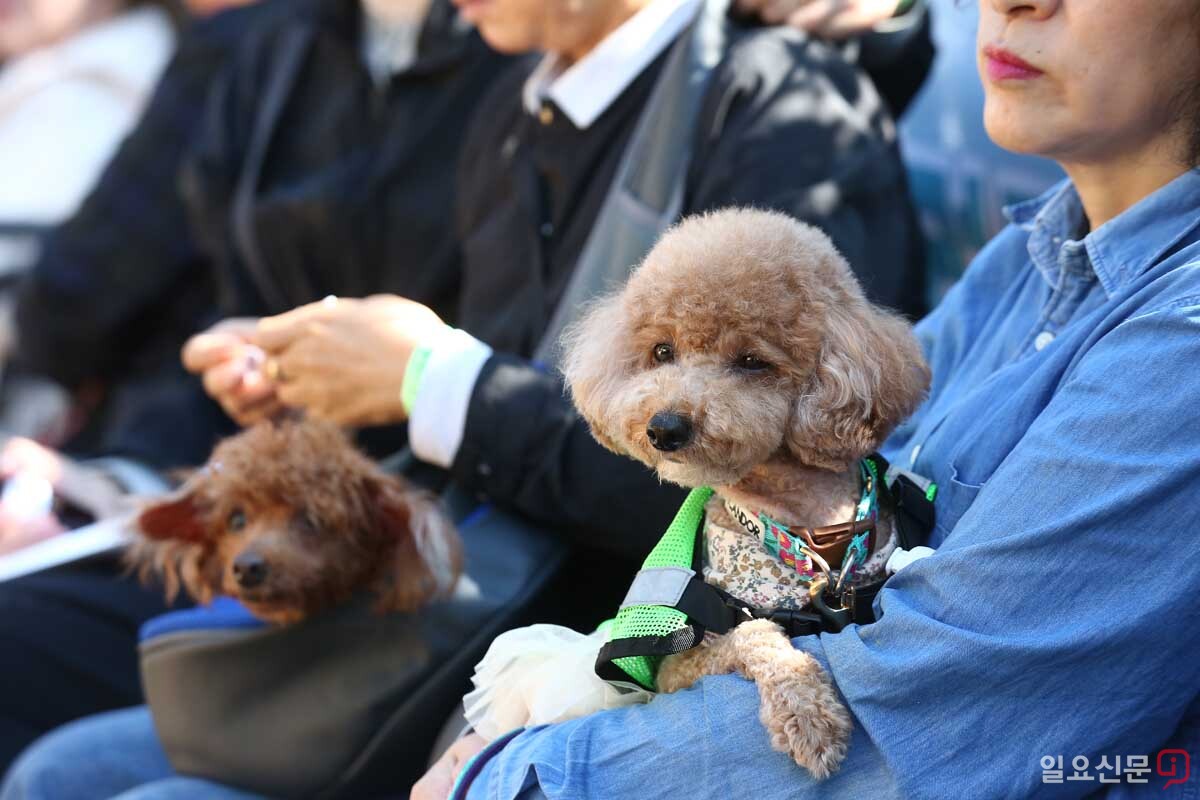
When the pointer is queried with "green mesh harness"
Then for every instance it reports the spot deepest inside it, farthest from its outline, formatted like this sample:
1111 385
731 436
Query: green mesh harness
659 627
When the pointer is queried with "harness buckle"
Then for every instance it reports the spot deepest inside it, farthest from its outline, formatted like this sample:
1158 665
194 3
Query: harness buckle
835 617
794 621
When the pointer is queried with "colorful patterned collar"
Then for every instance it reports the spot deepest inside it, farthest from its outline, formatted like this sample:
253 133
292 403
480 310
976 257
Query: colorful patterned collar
809 550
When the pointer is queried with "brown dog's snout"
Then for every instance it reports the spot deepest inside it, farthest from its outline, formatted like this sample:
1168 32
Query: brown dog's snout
669 431
250 570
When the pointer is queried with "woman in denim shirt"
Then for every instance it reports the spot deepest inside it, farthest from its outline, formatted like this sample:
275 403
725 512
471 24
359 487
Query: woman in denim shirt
1059 617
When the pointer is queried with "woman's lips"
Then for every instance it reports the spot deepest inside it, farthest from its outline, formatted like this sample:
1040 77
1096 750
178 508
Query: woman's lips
1003 65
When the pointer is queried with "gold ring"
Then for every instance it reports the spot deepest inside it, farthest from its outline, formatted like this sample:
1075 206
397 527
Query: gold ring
273 371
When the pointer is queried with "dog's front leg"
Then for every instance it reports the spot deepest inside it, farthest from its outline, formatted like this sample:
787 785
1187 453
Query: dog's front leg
799 708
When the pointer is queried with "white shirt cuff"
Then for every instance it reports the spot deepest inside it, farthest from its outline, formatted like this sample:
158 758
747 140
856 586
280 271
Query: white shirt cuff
439 413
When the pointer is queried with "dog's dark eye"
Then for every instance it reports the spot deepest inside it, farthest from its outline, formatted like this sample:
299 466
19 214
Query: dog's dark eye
664 353
750 363
306 526
236 521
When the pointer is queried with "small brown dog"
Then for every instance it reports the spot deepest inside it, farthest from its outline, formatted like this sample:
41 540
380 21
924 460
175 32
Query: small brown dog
743 356
290 519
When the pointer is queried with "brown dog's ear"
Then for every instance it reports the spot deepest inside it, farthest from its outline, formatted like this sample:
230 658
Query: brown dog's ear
426 553
871 375
177 516
595 365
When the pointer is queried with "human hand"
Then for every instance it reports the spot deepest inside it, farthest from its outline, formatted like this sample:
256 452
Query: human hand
439 780
231 367
831 19
18 531
343 360
28 517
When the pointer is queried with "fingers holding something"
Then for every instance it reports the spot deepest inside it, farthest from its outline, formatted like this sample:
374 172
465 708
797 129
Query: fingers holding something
218 343
281 331
206 350
223 378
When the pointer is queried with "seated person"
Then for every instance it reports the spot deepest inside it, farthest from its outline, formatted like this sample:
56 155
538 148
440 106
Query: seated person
564 149
318 219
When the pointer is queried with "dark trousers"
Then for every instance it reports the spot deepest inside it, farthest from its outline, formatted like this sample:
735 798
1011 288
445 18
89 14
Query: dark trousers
68 648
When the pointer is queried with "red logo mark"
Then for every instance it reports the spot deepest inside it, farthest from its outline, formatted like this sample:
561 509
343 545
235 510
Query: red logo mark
1168 766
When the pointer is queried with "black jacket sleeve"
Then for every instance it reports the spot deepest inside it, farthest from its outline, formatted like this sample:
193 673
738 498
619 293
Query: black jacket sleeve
526 448
787 124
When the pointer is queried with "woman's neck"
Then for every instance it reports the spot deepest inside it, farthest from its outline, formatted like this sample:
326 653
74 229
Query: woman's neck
1108 187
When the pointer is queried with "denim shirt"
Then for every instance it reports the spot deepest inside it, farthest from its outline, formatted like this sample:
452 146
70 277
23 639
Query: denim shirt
1060 615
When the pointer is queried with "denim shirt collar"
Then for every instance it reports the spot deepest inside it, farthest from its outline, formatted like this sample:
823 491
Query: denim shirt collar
1116 251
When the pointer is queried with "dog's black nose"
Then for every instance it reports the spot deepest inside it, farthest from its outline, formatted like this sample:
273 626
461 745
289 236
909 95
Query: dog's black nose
669 431
250 570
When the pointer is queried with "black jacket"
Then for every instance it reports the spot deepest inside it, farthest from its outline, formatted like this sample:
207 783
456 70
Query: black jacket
786 124
335 186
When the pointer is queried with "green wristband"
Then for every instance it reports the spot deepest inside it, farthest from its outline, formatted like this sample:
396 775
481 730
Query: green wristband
413 374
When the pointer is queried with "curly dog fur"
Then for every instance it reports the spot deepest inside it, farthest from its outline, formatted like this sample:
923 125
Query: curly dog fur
290 519
751 327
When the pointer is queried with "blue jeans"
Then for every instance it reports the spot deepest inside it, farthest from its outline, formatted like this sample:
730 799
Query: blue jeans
114 756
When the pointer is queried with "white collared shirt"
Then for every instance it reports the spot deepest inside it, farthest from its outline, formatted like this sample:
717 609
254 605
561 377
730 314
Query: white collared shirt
391 33
588 87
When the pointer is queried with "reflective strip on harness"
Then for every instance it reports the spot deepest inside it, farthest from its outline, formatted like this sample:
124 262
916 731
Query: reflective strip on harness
658 586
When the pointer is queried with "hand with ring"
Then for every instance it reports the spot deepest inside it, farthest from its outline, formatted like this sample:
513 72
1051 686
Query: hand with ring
235 371
343 360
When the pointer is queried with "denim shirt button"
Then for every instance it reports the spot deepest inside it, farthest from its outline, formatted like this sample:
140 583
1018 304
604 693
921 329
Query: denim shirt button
1044 338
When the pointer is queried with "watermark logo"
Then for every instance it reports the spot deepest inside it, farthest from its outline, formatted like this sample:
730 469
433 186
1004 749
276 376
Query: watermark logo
1174 765
1169 762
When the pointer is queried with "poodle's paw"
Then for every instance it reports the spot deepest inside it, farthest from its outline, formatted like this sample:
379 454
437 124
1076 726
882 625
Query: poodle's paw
805 719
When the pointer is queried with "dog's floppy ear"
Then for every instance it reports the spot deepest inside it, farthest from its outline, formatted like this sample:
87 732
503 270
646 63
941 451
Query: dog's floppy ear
426 553
870 376
596 365
178 516
178 564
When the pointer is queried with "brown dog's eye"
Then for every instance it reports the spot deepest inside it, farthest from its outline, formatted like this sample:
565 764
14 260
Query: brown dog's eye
750 363
664 353
237 521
